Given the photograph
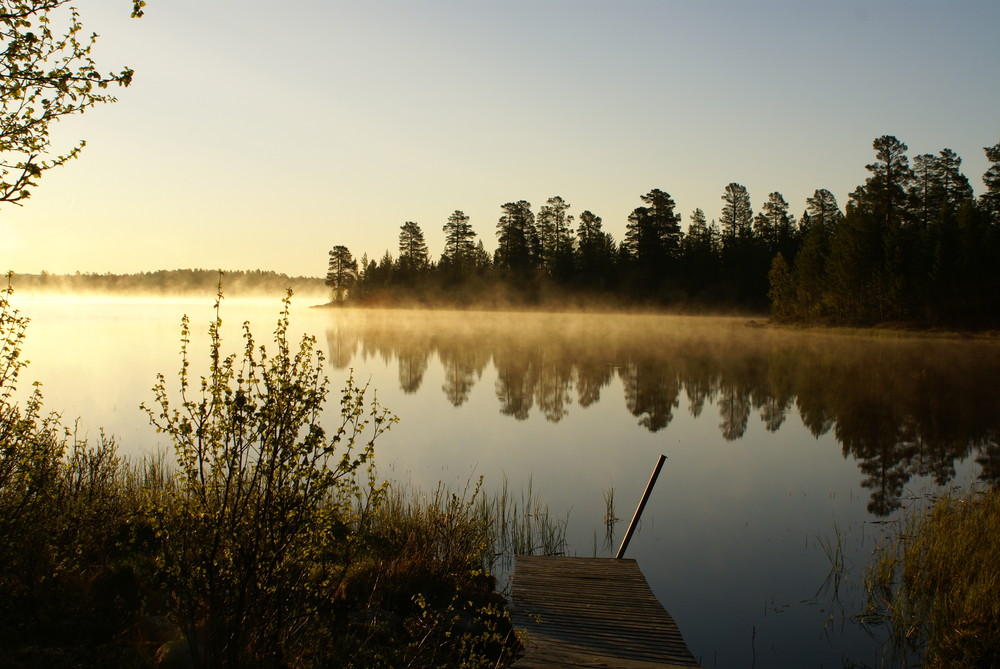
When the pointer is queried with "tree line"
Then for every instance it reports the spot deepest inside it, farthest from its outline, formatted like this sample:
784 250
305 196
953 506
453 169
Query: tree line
201 282
913 244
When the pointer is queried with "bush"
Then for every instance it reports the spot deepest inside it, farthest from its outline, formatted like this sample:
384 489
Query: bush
264 498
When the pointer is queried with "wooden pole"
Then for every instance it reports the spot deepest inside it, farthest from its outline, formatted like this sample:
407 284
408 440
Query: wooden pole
642 505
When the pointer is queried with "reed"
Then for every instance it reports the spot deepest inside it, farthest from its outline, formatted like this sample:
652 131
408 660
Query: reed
521 525
934 584
610 519
833 549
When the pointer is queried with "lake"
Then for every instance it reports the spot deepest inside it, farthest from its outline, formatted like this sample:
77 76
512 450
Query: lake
785 450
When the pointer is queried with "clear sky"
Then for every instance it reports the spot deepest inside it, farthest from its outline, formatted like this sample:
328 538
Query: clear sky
257 135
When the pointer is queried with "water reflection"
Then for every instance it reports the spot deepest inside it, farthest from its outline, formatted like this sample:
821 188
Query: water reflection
899 407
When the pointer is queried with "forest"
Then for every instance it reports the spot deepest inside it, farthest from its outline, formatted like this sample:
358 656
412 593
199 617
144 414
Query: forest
913 245
176 282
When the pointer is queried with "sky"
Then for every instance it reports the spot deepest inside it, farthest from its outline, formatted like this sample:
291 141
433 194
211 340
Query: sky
257 135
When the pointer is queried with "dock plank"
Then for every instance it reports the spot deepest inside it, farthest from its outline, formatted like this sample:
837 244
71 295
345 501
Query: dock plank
591 612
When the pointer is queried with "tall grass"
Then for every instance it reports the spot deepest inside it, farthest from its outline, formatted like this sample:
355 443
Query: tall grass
935 584
432 564
521 524
414 587
833 549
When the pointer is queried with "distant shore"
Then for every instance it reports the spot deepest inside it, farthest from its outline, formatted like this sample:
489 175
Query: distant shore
173 283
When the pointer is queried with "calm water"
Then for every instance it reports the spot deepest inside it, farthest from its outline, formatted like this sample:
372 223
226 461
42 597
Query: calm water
777 443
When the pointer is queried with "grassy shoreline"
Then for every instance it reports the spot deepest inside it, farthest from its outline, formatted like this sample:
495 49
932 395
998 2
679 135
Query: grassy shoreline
411 581
934 583
884 330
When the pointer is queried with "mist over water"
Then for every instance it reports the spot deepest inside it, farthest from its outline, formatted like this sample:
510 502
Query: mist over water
780 444
899 408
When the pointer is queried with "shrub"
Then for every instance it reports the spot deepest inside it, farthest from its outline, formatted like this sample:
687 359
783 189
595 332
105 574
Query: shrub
263 495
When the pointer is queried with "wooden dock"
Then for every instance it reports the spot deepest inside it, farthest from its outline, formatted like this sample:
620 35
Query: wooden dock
591 612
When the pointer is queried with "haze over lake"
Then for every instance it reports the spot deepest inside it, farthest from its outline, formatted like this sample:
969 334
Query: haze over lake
781 445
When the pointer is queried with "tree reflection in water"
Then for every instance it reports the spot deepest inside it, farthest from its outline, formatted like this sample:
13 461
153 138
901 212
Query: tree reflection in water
900 407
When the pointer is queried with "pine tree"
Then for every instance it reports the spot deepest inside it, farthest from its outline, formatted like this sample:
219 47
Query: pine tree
884 193
588 232
555 233
938 186
822 208
519 250
653 242
653 232
595 251
458 241
666 222
413 256
990 199
853 270
698 224
700 253
924 198
809 270
342 272
638 223
955 186
744 258
939 192
778 226
481 257
736 220
882 214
